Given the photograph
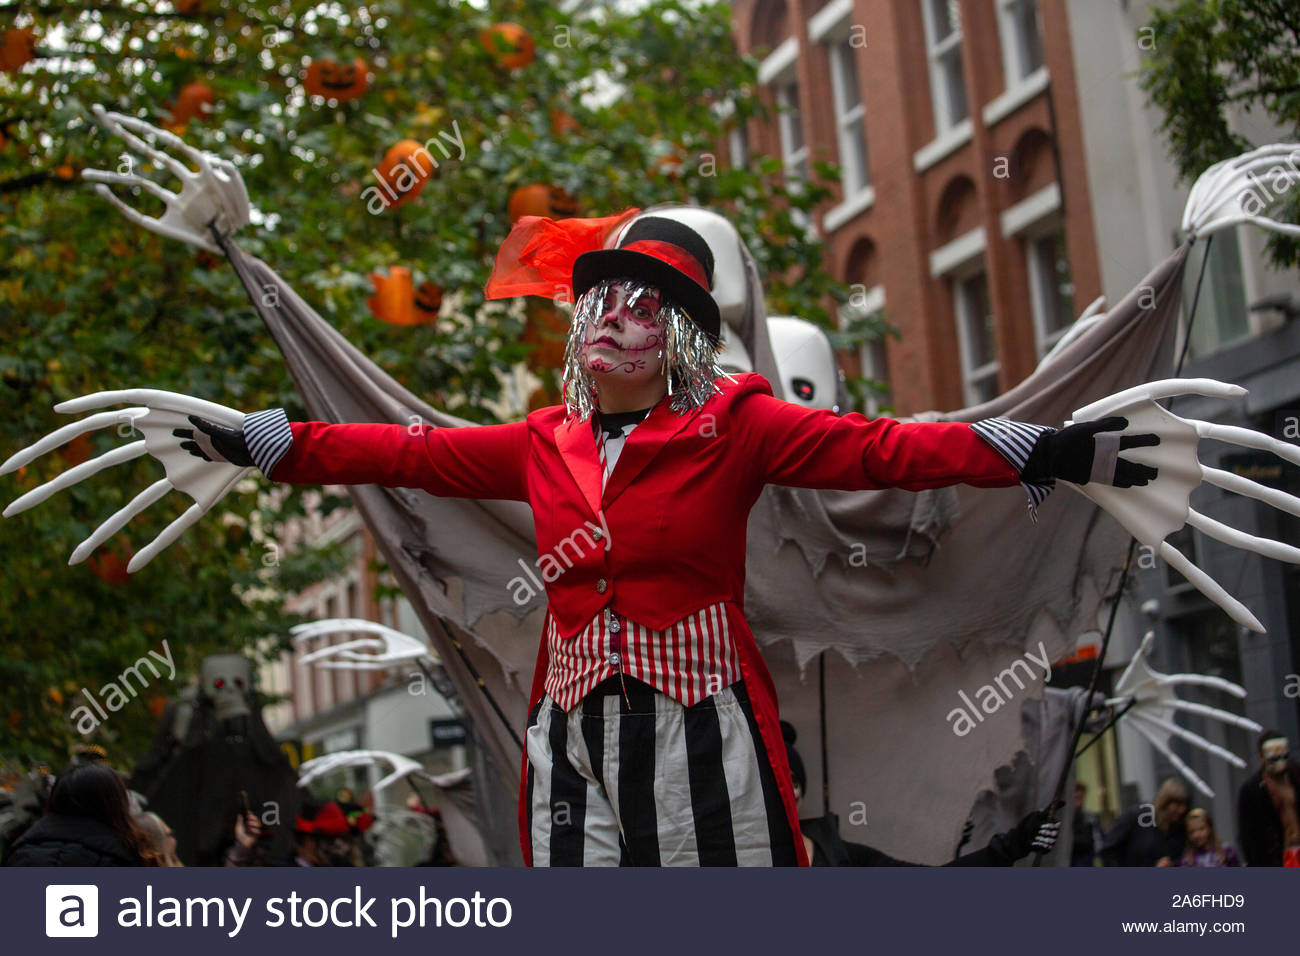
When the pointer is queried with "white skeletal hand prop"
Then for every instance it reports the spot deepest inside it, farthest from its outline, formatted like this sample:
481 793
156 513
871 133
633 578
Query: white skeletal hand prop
1154 511
155 414
1154 701
402 766
212 195
387 648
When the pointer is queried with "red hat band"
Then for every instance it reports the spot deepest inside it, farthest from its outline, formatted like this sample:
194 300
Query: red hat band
673 255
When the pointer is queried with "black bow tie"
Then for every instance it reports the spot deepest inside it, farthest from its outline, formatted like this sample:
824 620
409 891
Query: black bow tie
613 423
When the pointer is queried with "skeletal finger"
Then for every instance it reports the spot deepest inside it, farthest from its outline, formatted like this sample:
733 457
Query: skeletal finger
1240 539
65 434
166 195
74 475
1153 391
1248 438
1252 489
1245 723
1205 680
1170 727
338 648
169 534
1210 588
135 215
1174 759
174 165
117 521
157 400
171 139
334 625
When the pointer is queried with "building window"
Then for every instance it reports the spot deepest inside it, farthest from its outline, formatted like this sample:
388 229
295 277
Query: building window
979 356
1051 291
794 151
738 145
1022 39
1221 316
850 118
872 356
943 49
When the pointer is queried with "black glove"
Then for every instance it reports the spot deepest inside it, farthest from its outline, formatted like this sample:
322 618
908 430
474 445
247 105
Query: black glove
1035 833
215 442
1072 452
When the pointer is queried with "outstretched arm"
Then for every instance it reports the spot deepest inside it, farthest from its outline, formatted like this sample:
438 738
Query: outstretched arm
482 461
814 448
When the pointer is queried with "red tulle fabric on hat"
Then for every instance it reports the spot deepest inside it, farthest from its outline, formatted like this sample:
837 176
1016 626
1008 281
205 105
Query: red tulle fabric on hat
537 257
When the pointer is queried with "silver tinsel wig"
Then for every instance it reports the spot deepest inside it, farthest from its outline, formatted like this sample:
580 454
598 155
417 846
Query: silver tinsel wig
689 355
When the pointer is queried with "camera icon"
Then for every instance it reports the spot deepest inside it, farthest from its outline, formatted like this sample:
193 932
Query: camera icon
71 909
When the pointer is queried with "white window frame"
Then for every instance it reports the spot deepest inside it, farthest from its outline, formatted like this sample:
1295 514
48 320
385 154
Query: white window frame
1014 68
936 51
837 37
1041 293
874 301
972 375
786 90
1031 220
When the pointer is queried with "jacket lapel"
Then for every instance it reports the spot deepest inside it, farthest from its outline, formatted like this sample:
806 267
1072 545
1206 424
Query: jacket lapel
576 441
642 445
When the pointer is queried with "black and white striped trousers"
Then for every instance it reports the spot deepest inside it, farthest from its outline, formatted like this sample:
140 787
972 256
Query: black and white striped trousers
654 783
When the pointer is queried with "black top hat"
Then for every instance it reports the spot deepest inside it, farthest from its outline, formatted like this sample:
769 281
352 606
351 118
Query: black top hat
665 253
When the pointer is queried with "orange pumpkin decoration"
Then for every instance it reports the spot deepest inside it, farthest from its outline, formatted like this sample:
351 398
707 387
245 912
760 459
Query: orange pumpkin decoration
77 450
109 562
562 123
16 48
548 329
428 301
195 100
336 81
540 199
509 44
404 170
394 298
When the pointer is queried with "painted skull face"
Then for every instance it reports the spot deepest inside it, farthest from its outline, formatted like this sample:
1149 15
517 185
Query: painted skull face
625 337
1274 754
225 679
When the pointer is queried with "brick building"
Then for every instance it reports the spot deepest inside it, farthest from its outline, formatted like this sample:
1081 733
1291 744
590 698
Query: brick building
966 121
1000 170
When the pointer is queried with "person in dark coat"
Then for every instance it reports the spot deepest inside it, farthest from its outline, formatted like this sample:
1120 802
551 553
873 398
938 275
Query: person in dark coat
1150 834
1037 831
87 823
1268 808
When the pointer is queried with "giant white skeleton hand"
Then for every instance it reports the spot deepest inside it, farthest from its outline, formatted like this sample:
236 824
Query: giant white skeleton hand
214 194
387 649
156 415
1152 699
1154 511
402 767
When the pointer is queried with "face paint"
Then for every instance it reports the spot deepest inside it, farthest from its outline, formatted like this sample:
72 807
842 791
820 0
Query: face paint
623 340
690 357
1274 754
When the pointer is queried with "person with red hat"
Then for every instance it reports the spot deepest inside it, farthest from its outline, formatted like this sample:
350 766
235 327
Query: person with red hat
653 734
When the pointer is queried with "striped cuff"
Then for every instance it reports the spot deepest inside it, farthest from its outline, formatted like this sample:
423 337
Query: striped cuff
268 437
1014 441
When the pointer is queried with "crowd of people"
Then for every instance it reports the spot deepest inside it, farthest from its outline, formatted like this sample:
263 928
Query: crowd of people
89 817
1170 832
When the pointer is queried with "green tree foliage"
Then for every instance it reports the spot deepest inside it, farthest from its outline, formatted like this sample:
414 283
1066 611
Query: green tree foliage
616 110
1205 60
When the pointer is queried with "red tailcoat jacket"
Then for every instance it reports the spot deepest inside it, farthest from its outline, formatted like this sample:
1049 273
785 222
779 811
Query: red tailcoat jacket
676 505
